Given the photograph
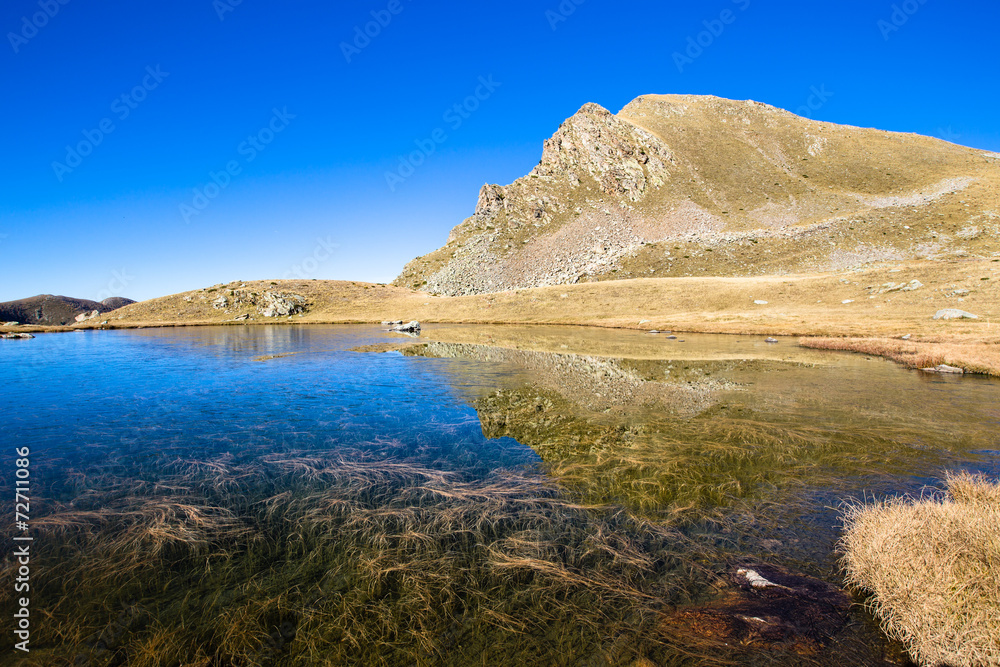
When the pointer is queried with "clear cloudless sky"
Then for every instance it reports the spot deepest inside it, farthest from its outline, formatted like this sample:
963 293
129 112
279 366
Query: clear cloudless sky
314 200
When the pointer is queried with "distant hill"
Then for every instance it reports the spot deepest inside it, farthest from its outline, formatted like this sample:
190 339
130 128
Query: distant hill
116 302
679 185
51 310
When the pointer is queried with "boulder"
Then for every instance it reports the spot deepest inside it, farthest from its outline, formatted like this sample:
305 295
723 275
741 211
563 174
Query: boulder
11 324
944 368
898 287
409 327
16 336
83 317
770 340
760 302
767 606
954 314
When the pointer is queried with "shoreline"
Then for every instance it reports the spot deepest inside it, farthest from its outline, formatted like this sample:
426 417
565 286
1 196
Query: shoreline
974 358
856 310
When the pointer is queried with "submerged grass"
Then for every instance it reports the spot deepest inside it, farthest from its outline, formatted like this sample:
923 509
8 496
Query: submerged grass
932 567
431 552
305 558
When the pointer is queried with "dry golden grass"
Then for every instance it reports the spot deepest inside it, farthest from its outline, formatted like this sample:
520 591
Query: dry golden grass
933 568
799 304
972 357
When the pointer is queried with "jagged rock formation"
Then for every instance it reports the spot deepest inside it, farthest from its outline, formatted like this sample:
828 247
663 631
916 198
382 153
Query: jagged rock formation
685 185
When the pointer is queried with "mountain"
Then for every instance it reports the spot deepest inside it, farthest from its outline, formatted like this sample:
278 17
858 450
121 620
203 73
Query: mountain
47 309
116 302
680 185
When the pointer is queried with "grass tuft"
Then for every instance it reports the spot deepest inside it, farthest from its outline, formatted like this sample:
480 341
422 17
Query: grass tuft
932 566
971 357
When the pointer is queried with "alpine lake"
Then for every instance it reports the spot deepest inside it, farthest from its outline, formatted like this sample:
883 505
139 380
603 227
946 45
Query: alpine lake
339 495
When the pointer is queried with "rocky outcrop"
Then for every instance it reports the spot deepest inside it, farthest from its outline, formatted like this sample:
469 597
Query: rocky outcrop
624 159
16 336
281 305
267 304
686 185
83 317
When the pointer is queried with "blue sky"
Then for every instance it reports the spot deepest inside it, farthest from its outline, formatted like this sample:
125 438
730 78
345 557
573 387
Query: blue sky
156 147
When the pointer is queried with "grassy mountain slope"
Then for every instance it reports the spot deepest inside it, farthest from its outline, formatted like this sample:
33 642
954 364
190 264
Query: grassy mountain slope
797 304
679 185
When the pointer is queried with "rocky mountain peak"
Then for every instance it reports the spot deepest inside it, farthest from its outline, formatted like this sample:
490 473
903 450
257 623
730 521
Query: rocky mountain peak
685 185
620 156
